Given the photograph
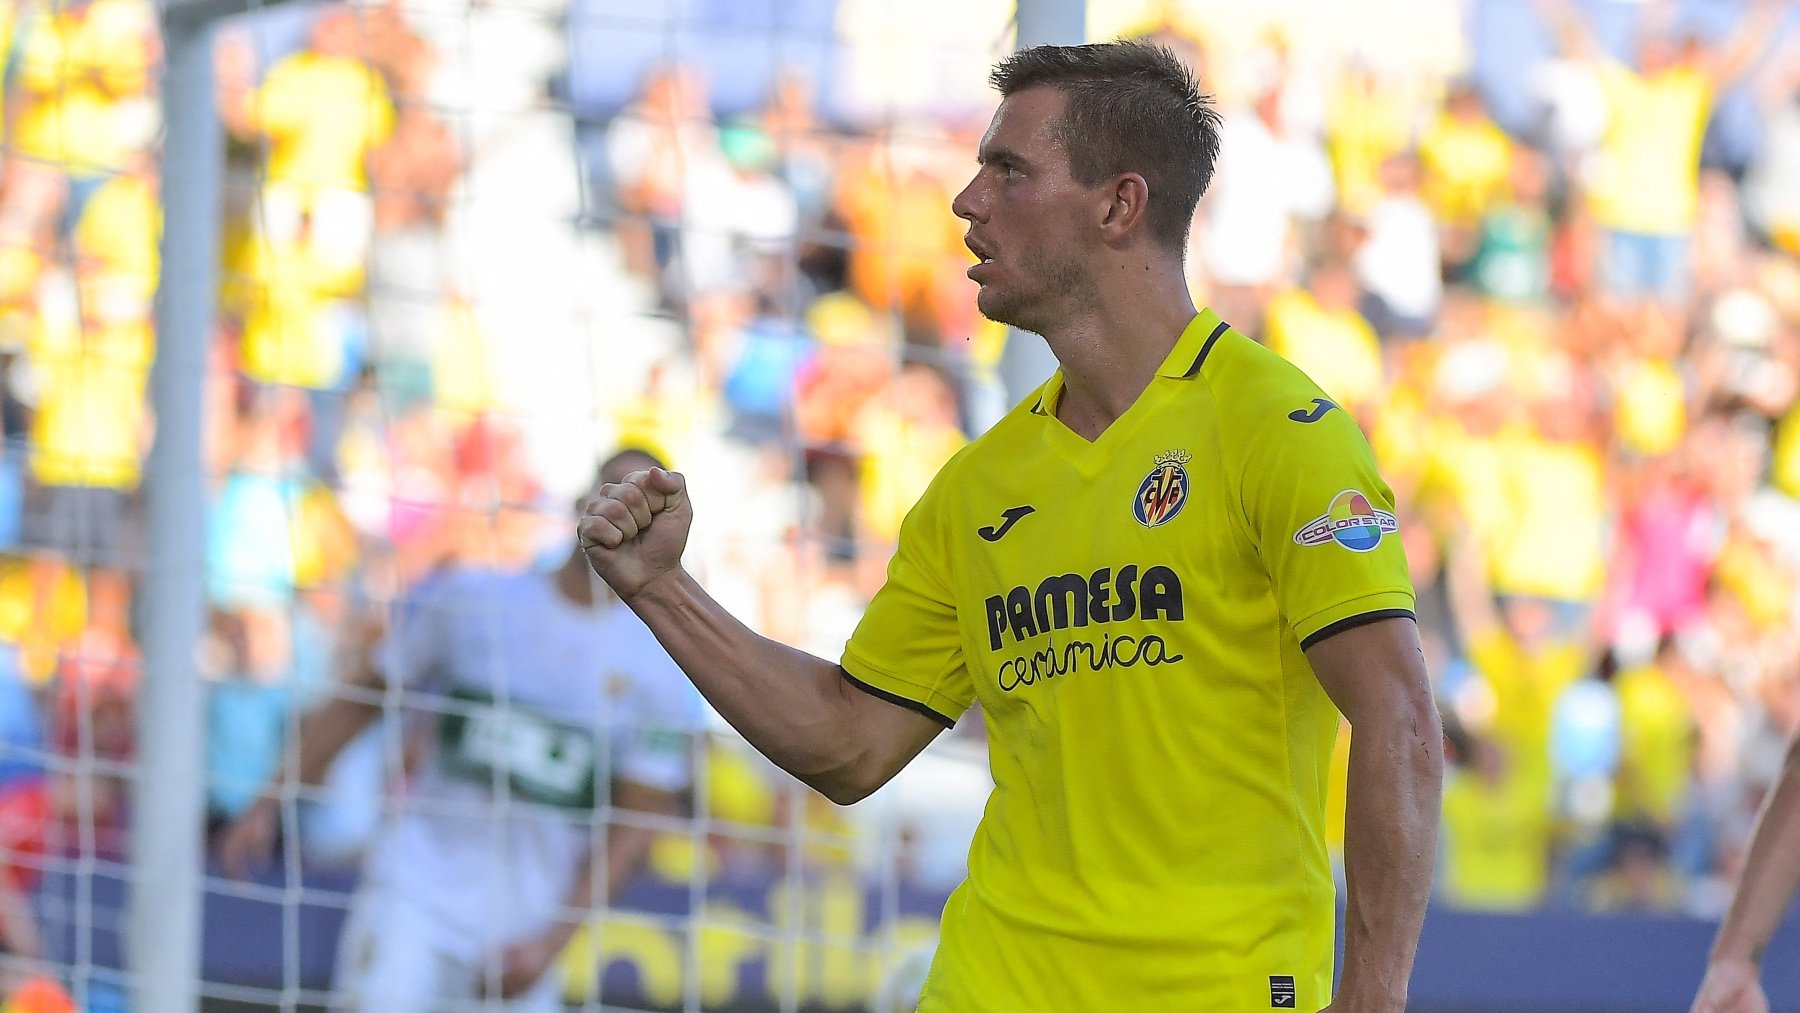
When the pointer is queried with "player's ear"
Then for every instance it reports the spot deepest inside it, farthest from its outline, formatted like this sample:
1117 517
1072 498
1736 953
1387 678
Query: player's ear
1127 202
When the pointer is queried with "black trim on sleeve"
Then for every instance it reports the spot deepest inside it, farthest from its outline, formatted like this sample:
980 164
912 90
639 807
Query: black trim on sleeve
911 705
1200 360
1352 622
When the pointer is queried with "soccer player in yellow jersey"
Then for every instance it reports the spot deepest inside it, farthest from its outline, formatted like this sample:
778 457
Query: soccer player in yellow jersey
1771 876
1157 574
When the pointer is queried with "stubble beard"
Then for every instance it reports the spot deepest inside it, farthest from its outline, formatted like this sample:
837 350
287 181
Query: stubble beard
1058 289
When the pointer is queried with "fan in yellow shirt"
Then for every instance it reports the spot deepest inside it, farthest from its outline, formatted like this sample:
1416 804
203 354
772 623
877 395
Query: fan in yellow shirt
321 111
1318 329
1646 194
1466 159
1496 834
79 66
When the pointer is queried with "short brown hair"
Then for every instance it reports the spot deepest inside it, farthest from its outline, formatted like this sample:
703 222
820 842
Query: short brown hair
1132 107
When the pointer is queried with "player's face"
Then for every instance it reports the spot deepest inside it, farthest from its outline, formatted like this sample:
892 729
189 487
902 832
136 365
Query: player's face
1028 218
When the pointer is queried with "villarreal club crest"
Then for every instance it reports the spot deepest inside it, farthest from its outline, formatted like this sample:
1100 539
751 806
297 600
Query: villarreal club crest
1164 491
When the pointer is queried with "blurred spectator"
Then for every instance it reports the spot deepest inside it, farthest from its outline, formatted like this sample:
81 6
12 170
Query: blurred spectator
1465 158
1657 749
1646 181
1399 263
1367 122
83 107
1496 834
90 430
905 257
322 112
412 175
1512 245
1772 184
1272 178
1637 879
652 146
906 434
1319 329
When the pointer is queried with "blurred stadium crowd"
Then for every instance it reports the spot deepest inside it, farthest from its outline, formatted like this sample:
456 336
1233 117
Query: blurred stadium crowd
451 276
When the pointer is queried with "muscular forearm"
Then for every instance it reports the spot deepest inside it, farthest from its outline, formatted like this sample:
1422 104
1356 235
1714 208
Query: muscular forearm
1390 851
793 707
1771 871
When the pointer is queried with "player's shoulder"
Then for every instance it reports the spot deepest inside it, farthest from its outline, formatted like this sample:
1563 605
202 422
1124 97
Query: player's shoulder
1241 372
1258 395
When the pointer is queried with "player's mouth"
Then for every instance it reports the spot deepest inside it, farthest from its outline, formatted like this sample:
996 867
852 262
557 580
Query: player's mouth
984 268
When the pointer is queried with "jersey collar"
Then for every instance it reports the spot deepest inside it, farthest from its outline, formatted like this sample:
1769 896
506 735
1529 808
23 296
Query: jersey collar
1197 339
1183 361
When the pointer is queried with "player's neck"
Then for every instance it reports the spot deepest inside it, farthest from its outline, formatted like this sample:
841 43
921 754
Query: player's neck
1110 354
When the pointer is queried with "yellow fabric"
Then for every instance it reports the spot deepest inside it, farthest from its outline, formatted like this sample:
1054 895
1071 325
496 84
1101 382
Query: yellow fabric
90 409
76 65
1756 577
322 115
1338 350
1554 546
1656 747
41 628
289 335
1364 127
1158 741
1649 179
1467 475
1525 686
119 230
1496 843
463 378
1466 165
1651 411
1784 457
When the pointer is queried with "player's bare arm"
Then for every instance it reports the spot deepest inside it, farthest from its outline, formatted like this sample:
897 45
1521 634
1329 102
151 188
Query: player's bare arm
1376 675
1771 876
797 709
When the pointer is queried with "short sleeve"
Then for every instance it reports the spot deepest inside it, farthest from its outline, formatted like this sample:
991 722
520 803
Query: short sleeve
1323 523
907 649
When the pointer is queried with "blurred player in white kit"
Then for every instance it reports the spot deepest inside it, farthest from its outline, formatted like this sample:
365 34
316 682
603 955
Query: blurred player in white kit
550 699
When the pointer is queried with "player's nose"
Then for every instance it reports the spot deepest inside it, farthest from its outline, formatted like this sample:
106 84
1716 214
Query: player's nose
971 204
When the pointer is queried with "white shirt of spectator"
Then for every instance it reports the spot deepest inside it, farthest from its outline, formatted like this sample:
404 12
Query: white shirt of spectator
1264 183
1399 260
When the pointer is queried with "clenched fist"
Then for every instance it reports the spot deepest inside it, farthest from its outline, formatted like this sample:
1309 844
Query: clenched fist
634 531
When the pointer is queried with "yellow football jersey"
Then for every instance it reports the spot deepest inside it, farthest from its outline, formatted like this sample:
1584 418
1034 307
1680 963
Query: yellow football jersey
1131 615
